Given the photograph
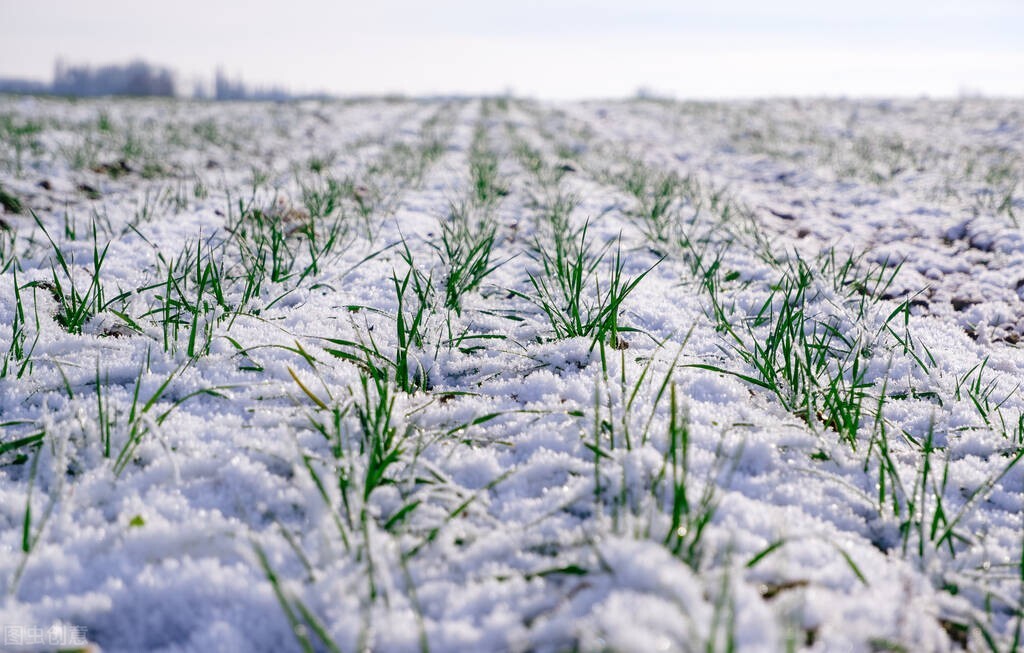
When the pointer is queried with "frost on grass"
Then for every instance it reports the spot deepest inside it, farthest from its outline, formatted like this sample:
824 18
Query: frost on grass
501 375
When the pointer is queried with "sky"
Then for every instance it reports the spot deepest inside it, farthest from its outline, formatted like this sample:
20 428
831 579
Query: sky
558 49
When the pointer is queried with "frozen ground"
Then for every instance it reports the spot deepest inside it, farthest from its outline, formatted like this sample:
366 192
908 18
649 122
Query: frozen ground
376 376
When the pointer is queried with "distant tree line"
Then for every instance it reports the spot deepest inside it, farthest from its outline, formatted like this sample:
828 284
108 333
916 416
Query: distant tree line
226 89
139 79
136 78
23 86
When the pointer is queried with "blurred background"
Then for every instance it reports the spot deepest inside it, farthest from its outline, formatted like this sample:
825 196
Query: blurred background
556 49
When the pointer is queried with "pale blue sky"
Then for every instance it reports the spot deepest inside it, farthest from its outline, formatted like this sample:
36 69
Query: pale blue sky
558 48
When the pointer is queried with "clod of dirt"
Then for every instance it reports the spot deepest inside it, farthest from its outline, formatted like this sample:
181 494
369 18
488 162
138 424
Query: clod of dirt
780 214
285 212
114 169
89 191
117 331
958 633
770 590
961 303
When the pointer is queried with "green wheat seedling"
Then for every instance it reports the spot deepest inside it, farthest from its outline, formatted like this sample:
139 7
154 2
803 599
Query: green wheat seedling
168 310
179 197
285 246
303 623
30 540
544 174
8 253
363 463
266 247
667 209
253 265
483 171
19 135
325 228
672 488
861 284
364 198
572 294
410 327
616 427
690 514
402 161
401 166
916 520
146 208
100 219
996 201
614 416
465 251
370 449
927 525
532 160
360 470
84 152
971 386
18 352
105 417
567 269
322 243
655 194
143 418
335 431
434 134
813 369
209 296
554 222
381 442
22 445
190 299
154 205
989 635
415 295
76 307
1014 431
322 197
943 526
705 256
890 487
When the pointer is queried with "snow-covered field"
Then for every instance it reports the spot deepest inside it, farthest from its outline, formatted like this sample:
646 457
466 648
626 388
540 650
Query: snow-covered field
512 376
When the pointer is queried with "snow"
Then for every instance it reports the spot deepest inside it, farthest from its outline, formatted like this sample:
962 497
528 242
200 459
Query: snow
528 530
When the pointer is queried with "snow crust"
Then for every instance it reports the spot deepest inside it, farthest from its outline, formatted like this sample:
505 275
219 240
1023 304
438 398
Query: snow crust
523 538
